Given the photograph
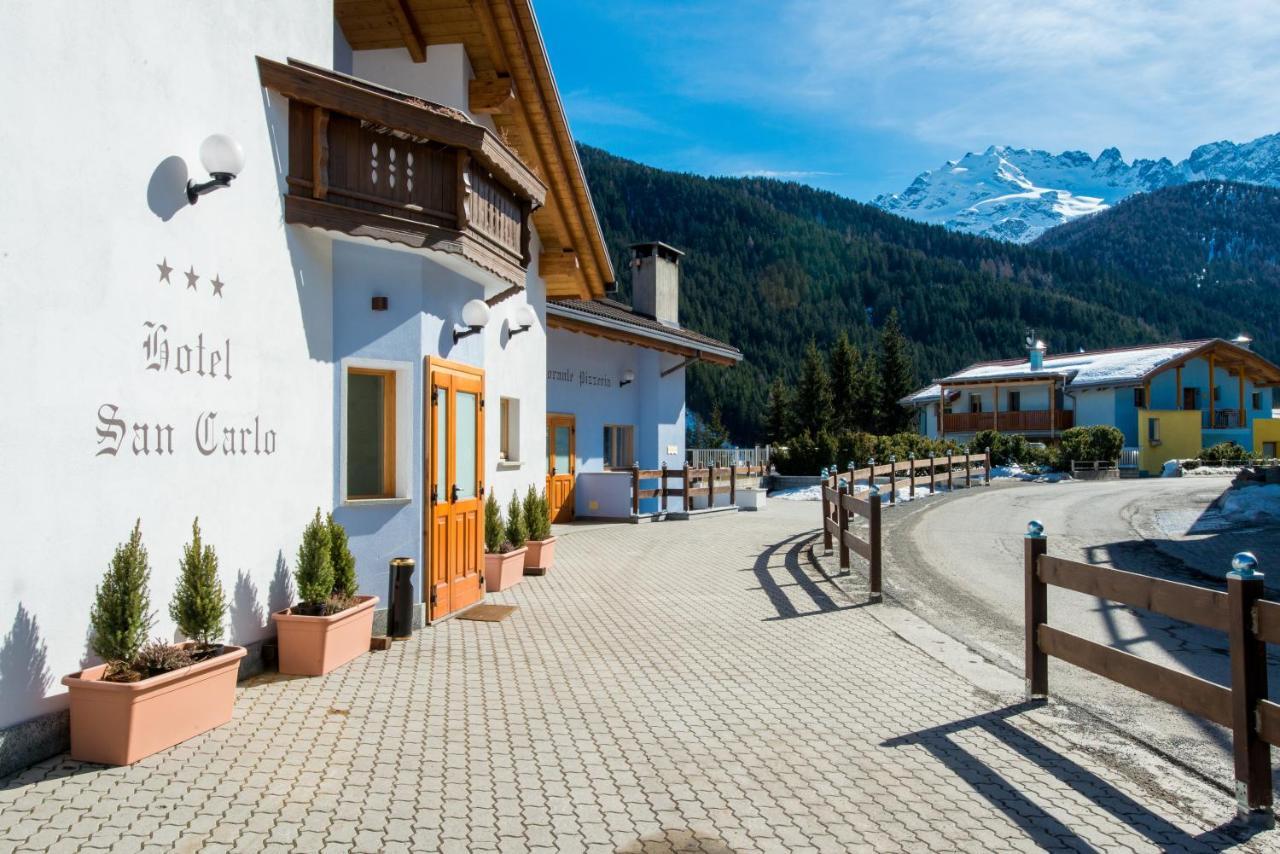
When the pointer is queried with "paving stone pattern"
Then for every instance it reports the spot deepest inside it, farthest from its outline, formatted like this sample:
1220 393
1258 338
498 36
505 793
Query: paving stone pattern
681 686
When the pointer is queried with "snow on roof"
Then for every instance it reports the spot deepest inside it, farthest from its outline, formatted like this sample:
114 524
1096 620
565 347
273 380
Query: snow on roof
1100 367
928 394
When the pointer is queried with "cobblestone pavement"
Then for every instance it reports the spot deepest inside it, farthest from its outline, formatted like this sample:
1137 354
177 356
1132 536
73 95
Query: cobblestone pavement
683 686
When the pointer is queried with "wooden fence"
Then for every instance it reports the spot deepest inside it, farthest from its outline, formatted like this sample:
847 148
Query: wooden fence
690 483
840 506
1249 621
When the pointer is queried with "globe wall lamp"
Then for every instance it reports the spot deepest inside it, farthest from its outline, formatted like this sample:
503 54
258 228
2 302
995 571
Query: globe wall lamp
523 321
628 377
223 158
475 316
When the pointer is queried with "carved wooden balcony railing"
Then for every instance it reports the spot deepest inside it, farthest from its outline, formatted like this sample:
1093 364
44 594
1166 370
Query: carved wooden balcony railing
1035 421
372 162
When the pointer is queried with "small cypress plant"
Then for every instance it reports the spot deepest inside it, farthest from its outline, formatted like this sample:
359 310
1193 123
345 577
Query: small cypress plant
493 528
537 515
344 562
314 572
199 603
517 533
121 615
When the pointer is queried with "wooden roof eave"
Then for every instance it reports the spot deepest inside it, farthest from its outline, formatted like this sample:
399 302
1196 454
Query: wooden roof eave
1264 373
321 87
570 324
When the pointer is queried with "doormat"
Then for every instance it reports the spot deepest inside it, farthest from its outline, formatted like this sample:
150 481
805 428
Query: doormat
487 613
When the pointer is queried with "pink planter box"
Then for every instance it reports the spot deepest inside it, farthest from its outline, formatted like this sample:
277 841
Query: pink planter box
313 646
118 723
540 555
503 570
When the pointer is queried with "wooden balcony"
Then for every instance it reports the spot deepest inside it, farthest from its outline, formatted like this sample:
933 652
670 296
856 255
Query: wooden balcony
1009 422
371 162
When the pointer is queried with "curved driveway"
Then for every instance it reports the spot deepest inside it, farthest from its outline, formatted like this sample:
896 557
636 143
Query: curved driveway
958 563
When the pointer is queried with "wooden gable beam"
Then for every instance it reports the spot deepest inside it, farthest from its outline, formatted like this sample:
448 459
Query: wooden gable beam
491 94
559 266
405 22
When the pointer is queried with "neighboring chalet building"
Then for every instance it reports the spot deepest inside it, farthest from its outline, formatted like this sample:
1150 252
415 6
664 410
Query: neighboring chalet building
1161 397
357 320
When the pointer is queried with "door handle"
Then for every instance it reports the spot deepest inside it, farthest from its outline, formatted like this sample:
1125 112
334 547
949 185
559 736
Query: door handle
453 493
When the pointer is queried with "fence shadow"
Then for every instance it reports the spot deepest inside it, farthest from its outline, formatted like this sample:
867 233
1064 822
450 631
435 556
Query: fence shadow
819 601
1043 828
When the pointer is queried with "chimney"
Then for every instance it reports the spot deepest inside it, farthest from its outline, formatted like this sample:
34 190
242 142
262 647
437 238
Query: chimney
1035 349
1242 341
655 281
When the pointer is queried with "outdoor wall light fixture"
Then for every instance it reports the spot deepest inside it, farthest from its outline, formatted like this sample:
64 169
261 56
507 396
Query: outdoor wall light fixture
380 303
524 320
475 315
223 158
628 377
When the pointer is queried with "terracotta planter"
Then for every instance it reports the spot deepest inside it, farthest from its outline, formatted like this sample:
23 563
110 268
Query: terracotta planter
118 723
539 556
313 646
503 570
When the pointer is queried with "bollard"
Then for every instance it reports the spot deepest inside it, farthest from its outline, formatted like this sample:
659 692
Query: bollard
893 479
1036 602
912 462
664 487
1252 755
400 598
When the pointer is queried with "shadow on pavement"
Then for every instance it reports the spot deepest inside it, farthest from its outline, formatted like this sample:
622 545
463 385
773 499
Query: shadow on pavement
814 599
1044 828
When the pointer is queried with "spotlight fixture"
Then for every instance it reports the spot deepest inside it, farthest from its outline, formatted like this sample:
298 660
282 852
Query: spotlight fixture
628 377
524 320
223 158
475 315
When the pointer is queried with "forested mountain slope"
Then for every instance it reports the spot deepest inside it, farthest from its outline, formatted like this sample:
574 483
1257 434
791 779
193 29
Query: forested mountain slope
771 265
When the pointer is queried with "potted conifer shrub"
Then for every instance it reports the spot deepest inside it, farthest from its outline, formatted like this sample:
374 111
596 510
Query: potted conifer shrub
331 625
537 521
503 544
147 696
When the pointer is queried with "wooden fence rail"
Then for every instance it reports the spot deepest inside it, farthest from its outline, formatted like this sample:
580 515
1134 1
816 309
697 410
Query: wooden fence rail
692 482
836 526
929 471
1249 621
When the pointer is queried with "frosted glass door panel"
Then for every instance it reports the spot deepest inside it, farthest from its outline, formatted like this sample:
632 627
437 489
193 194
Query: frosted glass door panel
442 444
465 462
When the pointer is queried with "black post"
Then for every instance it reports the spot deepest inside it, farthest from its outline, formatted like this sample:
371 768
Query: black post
1035 546
664 486
1248 687
400 598
635 489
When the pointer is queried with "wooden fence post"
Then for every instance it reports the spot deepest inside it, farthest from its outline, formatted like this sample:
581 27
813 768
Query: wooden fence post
826 514
842 515
1035 546
663 486
968 475
733 483
635 489
950 485
893 479
913 476
686 500
986 466
1248 687
873 525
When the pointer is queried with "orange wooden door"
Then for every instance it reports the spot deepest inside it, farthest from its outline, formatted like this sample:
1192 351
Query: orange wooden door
455 485
562 466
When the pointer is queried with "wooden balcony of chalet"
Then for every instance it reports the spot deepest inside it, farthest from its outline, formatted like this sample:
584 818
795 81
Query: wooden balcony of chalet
372 162
1035 421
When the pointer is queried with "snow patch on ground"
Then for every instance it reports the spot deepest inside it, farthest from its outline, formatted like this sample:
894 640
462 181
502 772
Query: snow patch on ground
799 493
1175 468
1252 503
1013 471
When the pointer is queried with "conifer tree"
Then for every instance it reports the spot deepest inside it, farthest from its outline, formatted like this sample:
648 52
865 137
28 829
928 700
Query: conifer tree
493 527
344 562
121 615
199 603
516 532
897 376
813 395
314 572
780 416
844 377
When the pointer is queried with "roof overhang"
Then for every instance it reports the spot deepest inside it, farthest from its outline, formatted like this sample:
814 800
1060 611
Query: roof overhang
1259 371
566 317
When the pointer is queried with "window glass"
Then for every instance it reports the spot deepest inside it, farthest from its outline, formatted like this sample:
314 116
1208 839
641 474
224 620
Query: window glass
1153 429
442 444
465 440
509 431
1015 401
366 433
619 445
560 449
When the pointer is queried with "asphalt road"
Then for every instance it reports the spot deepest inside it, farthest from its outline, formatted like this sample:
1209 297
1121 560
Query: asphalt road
957 562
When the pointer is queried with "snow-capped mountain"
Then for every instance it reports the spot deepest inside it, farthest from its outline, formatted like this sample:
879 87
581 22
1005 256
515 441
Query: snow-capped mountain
1017 194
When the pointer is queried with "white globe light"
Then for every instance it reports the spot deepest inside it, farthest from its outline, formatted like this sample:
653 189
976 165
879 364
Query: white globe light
525 317
475 313
220 154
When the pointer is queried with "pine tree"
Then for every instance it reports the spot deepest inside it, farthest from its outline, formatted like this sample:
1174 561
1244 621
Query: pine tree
897 376
717 435
199 603
844 377
780 413
314 572
493 527
515 531
121 615
344 562
813 395
867 403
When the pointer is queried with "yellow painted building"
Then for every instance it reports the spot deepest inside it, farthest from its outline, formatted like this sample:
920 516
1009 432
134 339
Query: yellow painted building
1266 438
1167 434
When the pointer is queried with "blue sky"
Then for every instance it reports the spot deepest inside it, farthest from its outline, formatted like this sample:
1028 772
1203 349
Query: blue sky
859 96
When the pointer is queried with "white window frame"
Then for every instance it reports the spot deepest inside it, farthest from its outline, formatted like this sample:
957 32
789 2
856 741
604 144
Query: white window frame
405 396
509 431
611 443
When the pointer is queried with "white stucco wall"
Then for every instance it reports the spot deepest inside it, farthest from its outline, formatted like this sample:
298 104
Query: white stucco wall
107 107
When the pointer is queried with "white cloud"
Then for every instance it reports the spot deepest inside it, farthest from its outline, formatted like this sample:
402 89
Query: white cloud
783 174
1154 78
